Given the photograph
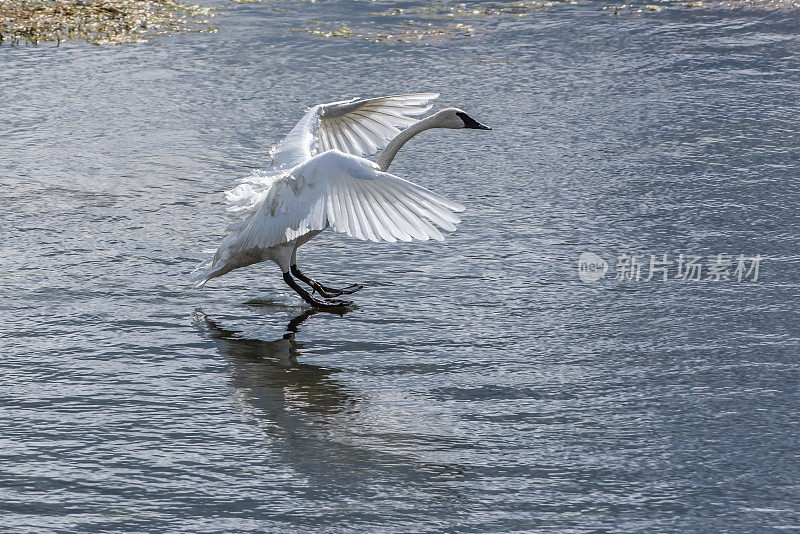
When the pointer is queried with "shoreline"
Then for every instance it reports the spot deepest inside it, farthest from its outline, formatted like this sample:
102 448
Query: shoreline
99 23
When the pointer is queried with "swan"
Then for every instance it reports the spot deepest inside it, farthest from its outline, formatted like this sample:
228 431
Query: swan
319 177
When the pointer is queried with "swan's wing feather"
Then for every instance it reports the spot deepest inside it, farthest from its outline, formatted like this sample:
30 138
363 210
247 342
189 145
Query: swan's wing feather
291 208
358 127
362 127
247 192
348 194
363 202
300 143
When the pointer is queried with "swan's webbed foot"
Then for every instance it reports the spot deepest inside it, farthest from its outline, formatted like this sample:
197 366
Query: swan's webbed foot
330 292
319 304
323 290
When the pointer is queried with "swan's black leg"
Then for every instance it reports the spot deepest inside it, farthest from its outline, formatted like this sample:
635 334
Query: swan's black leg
324 305
323 290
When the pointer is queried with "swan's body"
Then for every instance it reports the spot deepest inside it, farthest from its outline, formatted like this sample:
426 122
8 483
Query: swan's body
319 179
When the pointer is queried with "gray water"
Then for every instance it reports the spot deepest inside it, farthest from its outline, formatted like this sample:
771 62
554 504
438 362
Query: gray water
480 386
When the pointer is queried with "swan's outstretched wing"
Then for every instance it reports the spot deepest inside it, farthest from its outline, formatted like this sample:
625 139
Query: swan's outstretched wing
358 127
352 196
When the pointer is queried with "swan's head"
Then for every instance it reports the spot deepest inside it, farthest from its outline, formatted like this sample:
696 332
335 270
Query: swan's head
456 119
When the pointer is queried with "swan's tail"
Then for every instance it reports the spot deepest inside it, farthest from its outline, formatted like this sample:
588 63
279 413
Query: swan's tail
243 199
202 274
225 260
208 269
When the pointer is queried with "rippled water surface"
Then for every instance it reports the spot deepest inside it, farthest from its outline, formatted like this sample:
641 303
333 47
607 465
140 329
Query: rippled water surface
480 386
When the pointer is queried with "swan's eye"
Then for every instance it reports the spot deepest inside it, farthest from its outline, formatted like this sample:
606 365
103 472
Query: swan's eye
469 122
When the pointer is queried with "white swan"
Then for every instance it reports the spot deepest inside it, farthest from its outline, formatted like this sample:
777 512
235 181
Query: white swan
319 179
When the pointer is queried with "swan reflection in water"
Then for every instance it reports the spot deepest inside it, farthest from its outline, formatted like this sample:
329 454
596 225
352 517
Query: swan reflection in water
316 422
267 375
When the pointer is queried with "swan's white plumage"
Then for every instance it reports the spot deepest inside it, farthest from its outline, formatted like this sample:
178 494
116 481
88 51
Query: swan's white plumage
362 127
341 191
358 127
318 179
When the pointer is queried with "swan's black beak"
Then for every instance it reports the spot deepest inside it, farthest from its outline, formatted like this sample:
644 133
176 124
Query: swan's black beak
469 122
478 126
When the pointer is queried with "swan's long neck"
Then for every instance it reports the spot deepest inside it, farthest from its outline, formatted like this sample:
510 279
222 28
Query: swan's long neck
385 158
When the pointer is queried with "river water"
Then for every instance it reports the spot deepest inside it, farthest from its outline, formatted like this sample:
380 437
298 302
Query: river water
480 386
